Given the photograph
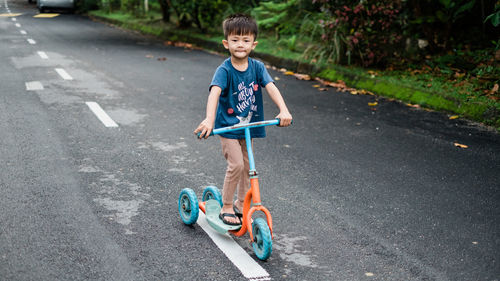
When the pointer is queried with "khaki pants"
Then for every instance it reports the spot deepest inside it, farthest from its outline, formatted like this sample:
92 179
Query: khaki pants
235 152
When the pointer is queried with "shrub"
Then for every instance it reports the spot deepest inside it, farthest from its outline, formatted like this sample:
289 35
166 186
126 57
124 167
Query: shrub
366 32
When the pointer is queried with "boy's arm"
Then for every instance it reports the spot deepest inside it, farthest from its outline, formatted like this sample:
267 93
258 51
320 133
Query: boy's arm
284 115
206 126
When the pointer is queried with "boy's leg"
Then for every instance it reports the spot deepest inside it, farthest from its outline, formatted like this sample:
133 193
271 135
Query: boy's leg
244 182
231 149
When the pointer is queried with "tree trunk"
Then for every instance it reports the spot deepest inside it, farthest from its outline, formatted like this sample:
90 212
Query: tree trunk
427 30
165 10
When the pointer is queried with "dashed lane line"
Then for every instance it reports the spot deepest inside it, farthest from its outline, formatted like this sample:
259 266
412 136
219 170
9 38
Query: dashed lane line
9 14
31 41
63 74
23 32
34 86
233 251
43 55
101 114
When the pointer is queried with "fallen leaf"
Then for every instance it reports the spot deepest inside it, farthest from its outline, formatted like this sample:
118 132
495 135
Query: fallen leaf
373 103
276 78
162 59
316 85
453 117
283 70
460 145
323 89
289 73
150 56
429 85
369 274
354 92
495 89
302 76
413 105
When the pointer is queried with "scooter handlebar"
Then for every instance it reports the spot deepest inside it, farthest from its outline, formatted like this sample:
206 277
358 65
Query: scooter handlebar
243 126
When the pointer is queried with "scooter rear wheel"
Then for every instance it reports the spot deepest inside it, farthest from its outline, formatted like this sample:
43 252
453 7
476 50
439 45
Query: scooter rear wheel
212 192
263 243
188 206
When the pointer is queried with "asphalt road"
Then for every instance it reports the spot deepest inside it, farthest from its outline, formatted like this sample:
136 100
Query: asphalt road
356 192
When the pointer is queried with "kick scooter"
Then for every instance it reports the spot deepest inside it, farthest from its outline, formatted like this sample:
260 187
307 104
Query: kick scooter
260 230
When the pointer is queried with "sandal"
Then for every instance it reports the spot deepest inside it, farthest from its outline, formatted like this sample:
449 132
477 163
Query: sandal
237 212
224 215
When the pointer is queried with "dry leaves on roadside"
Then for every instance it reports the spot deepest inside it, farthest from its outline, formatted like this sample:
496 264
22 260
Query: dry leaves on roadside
302 76
179 44
324 84
453 117
413 105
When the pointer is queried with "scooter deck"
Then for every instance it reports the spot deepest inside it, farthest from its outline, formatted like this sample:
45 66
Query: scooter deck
212 211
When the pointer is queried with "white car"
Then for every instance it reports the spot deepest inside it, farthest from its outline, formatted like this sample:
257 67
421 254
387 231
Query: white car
55 4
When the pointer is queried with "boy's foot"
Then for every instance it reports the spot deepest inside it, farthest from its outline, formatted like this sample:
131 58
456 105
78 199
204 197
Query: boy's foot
228 217
238 207
223 217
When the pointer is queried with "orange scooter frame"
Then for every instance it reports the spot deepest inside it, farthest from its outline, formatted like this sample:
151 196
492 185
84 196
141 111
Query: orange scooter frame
252 198
260 230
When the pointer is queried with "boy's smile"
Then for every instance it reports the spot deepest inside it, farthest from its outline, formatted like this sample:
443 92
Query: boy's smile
240 46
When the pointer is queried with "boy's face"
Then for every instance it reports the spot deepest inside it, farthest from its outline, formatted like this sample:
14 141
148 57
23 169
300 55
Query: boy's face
240 46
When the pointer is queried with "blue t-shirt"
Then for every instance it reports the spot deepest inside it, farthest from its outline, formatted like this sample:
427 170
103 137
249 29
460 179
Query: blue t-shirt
240 101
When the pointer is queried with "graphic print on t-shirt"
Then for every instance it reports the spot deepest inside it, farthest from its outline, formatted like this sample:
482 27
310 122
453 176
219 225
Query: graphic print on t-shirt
246 98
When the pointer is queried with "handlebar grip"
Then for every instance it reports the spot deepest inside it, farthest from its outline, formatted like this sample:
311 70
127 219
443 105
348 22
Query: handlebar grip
199 134
279 122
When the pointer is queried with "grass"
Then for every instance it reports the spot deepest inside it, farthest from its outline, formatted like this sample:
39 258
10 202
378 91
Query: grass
435 85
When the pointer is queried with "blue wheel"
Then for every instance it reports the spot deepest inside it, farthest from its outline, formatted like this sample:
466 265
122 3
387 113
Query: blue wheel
262 242
212 192
188 206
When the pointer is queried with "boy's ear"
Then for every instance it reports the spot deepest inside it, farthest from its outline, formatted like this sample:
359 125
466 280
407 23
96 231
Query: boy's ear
254 44
225 43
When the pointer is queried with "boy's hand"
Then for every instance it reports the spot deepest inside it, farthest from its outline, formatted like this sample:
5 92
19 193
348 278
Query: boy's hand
205 128
285 119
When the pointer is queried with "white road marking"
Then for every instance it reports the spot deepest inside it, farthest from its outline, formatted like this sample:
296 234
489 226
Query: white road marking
18 25
34 86
101 114
13 19
64 74
237 255
31 41
43 55
23 32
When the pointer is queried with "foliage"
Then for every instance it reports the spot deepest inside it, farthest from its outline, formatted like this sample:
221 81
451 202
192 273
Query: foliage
277 16
365 33
206 15
495 17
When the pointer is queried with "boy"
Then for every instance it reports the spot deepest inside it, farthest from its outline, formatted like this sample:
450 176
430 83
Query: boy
236 98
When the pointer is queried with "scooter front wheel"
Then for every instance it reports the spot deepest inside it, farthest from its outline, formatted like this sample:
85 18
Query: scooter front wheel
263 243
188 206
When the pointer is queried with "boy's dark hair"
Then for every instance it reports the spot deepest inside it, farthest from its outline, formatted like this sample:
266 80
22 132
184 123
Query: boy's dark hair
240 24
